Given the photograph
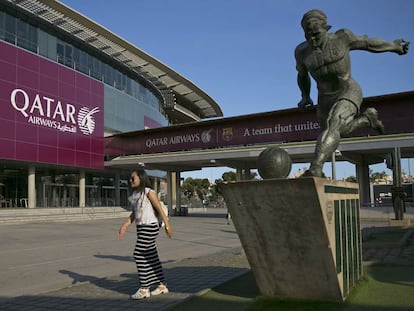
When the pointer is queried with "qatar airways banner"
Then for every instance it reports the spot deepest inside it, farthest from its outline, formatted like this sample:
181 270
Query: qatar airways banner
49 113
280 127
283 126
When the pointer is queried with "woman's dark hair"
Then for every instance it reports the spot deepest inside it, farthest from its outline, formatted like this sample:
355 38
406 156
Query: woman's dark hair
144 179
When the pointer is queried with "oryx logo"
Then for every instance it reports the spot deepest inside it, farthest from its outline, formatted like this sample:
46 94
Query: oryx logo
206 136
86 120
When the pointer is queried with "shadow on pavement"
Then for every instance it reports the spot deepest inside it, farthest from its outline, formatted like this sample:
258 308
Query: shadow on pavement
115 257
398 275
93 293
179 279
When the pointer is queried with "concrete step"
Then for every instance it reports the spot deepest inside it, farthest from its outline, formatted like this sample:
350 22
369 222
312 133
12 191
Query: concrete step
20 216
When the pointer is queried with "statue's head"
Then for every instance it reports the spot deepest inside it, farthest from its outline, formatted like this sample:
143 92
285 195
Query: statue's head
315 26
315 13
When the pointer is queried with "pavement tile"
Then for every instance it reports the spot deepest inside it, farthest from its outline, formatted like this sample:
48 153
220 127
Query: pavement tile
184 278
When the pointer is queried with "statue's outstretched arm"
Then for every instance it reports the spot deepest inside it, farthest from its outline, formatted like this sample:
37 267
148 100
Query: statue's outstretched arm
399 46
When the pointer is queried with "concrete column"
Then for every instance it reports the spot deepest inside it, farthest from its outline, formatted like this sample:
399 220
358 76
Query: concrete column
242 174
173 194
169 192
82 188
178 189
396 190
362 174
117 189
31 187
174 190
239 174
39 191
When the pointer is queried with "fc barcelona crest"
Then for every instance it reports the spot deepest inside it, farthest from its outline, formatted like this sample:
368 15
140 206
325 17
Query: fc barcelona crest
227 134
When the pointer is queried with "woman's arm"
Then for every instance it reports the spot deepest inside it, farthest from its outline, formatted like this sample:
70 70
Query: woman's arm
157 206
125 225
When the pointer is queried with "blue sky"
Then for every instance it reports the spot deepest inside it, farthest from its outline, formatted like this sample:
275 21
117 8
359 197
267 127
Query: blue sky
240 52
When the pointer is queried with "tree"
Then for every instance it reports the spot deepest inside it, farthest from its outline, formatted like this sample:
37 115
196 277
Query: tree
377 176
351 179
192 186
229 176
187 187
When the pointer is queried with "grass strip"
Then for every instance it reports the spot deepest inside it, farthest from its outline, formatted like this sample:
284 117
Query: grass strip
383 288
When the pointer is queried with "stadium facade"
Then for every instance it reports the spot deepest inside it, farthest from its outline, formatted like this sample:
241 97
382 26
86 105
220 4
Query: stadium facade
66 83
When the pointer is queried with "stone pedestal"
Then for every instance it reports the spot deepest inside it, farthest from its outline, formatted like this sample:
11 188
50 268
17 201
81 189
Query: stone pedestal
301 236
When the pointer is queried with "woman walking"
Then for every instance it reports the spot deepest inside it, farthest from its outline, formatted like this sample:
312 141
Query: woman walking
147 213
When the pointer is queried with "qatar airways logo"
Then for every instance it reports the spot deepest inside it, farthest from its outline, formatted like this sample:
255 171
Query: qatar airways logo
86 120
49 112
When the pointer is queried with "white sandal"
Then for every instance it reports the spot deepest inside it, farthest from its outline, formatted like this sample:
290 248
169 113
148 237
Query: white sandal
141 294
161 289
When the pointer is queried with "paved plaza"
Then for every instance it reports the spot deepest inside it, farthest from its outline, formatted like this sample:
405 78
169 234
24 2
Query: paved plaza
191 275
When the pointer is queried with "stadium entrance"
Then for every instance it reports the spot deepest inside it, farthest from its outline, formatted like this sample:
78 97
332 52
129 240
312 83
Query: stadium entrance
237 141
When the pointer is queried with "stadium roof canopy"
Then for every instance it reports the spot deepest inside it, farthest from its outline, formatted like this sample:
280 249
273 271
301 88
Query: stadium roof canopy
183 100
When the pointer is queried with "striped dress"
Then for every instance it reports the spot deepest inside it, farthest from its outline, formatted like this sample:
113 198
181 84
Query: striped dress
146 257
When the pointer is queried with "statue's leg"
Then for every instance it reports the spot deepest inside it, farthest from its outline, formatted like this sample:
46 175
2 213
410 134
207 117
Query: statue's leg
327 143
372 115
368 119
341 114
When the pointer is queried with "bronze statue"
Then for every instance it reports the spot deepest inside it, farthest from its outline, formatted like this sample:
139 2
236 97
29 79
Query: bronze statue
325 56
